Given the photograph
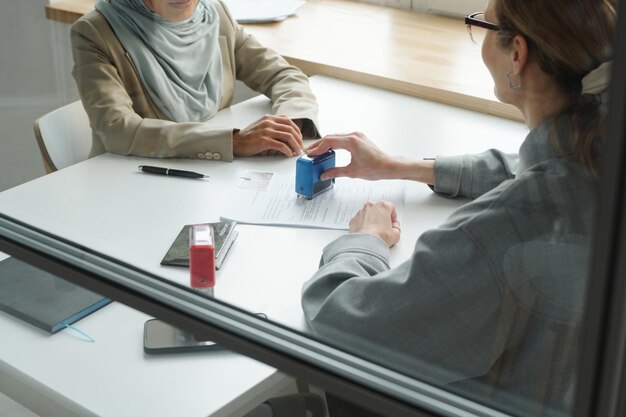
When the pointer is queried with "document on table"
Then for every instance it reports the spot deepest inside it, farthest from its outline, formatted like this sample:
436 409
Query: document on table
259 11
280 205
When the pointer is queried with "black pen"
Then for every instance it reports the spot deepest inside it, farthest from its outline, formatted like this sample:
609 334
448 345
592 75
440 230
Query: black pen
173 172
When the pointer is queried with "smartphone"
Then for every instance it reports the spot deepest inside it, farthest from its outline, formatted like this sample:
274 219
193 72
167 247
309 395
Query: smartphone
160 337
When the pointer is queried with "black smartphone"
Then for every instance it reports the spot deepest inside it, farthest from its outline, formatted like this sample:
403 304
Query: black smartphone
160 337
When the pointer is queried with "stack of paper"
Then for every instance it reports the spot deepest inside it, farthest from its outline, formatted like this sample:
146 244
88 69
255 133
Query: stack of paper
260 11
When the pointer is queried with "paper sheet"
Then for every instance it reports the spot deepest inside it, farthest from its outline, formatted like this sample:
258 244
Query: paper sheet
332 209
259 11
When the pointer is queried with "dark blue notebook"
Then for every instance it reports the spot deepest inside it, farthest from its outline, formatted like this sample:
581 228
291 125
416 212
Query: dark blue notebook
43 299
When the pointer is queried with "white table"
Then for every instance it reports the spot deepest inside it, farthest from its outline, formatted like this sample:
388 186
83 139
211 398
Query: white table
64 375
105 204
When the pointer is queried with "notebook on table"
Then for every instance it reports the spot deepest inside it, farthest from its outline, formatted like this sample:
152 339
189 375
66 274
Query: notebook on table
224 234
43 299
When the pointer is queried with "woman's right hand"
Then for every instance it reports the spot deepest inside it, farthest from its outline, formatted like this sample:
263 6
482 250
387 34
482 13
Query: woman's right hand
368 161
271 134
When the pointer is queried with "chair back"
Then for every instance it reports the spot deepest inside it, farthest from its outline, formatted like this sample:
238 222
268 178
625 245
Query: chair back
63 136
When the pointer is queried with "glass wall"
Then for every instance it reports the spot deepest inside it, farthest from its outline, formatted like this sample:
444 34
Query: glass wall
470 295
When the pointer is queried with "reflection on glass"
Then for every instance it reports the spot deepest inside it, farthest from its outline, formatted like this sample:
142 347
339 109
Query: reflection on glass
489 305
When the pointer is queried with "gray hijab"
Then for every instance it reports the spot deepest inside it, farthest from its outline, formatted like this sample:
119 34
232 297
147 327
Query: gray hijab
179 63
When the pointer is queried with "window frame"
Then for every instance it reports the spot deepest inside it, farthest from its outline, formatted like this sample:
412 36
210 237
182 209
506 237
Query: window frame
604 325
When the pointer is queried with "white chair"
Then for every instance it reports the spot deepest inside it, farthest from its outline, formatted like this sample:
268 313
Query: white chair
63 136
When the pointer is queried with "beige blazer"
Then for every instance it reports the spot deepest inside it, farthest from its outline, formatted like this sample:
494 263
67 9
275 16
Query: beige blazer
126 121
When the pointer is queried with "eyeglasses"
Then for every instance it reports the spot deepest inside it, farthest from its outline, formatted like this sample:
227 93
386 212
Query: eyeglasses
477 26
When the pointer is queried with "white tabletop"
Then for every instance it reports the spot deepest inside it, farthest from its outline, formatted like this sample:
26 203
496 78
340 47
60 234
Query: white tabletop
105 204
114 377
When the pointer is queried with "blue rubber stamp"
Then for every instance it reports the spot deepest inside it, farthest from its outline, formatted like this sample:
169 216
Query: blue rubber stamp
308 171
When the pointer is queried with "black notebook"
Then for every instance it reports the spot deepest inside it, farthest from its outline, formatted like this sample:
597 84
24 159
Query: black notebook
43 299
224 234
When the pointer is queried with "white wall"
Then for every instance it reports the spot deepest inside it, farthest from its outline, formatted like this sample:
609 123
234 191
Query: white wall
35 77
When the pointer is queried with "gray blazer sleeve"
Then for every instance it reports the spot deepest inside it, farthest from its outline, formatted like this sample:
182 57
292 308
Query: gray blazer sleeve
473 175
424 315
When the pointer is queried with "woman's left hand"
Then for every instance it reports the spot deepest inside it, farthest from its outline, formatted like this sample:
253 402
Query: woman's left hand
271 134
380 219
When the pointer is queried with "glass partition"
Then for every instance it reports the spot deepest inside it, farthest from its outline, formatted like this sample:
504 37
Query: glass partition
471 297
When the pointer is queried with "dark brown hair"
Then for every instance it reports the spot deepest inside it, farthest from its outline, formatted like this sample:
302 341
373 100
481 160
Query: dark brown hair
569 38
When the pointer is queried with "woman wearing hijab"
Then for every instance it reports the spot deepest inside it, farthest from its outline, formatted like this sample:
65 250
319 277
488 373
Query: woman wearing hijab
151 72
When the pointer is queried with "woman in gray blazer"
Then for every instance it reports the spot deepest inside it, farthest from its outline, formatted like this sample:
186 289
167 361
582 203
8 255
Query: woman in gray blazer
151 72
490 303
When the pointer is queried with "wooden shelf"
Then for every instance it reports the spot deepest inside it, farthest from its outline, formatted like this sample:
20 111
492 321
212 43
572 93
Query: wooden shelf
417 54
